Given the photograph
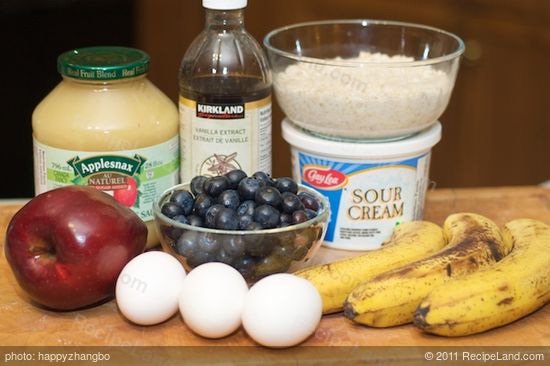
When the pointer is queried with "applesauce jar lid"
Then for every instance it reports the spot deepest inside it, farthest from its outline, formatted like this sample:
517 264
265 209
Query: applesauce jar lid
103 63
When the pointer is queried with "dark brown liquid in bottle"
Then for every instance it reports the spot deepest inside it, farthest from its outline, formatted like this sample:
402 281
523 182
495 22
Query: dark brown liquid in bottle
225 90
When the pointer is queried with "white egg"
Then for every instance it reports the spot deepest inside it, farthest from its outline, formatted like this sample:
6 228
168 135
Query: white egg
282 310
212 300
148 288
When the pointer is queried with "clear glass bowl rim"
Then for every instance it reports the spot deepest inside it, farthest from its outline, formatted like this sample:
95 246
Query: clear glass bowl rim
364 22
322 215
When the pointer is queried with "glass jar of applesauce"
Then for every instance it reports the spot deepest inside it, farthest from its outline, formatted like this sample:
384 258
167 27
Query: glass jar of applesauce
107 126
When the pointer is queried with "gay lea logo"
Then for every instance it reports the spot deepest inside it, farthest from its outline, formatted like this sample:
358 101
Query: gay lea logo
324 177
107 163
220 111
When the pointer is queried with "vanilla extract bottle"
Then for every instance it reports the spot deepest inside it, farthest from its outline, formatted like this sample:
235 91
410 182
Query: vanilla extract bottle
225 97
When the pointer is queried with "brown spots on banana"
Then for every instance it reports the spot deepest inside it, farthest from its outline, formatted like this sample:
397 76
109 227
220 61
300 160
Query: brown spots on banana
401 272
465 247
496 249
419 318
449 270
349 312
506 301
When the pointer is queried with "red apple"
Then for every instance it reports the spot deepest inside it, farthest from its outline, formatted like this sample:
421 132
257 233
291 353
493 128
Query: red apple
67 246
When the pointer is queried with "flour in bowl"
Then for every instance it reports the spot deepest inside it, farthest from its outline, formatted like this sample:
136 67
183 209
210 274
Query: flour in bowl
372 96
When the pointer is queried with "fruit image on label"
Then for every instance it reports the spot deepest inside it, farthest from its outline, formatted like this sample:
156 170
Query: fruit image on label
128 195
219 164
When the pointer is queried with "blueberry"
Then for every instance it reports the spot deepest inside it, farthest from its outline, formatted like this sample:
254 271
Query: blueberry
253 226
181 219
285 219
268 196
202 204
199 257
290 203
285 250
299 216
234 177
286 184
234 245
171 209
172 232
227 219
197 184
223 257
175 232
195 220
310 213
184 199
245 266
213 186
244 221
309 201
248 186
187 243
266 178
246 208
258 245
286 238
267 216
229 198
210 215
208 242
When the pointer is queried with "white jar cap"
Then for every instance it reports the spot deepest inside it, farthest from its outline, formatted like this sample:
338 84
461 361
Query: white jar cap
407 147
224 4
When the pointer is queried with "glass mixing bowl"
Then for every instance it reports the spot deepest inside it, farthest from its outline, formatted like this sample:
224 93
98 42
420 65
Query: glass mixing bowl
255 254
363 79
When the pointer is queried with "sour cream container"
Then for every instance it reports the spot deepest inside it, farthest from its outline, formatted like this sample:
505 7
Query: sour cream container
371 187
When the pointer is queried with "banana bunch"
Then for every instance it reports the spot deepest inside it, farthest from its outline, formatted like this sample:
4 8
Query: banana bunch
512 288
410 241
391 298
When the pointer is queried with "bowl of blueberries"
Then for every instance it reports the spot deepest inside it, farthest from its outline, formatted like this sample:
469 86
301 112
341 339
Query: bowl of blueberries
257 224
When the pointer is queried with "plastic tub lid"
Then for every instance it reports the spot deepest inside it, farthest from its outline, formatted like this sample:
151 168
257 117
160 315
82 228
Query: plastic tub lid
414 144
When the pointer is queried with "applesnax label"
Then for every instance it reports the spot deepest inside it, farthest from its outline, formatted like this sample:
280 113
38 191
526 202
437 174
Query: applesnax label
133 177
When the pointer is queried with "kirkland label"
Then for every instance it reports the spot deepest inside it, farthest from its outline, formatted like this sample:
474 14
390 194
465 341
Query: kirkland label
220 111
217 138
367 199
134 178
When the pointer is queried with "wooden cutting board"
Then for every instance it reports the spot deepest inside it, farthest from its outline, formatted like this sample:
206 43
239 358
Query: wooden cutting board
26 324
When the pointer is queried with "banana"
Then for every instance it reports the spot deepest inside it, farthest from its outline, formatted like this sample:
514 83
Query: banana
409 242
391 298
516 286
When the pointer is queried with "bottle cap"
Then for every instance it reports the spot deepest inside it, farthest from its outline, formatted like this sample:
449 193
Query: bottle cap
103 63
224 4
